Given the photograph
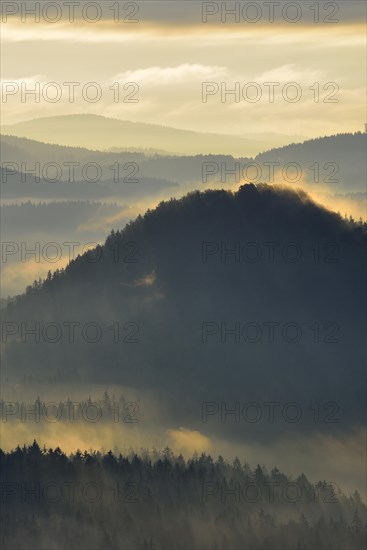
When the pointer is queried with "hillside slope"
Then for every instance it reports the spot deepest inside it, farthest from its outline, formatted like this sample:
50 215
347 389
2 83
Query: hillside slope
171 281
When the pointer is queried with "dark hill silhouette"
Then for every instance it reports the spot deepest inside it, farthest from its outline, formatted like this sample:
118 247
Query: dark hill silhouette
152 274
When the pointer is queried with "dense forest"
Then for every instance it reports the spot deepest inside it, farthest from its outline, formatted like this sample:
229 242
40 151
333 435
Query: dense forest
157 500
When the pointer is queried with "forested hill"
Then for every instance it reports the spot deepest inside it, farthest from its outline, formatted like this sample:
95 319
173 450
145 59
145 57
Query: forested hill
286 276
179 238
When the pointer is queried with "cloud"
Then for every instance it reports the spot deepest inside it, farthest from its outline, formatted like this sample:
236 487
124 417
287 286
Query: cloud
158 76
182 14
13 31
187 441
290 73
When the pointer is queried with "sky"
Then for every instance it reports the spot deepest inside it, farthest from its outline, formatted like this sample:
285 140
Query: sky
170 56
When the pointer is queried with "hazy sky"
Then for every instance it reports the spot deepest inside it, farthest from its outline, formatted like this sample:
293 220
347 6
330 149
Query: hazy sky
169 52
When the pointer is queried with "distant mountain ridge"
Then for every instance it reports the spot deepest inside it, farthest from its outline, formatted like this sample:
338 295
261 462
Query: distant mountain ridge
101 133
332 163
337 161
